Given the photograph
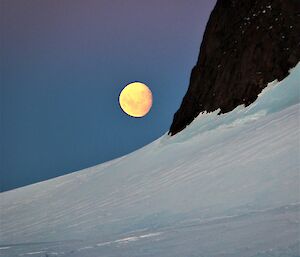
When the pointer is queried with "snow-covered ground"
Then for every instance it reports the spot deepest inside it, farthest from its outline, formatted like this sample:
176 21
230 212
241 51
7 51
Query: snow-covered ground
228 185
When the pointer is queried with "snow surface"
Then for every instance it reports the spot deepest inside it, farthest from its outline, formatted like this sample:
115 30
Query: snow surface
228 185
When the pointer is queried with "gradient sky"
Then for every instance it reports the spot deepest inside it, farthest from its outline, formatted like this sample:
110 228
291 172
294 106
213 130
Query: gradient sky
63 64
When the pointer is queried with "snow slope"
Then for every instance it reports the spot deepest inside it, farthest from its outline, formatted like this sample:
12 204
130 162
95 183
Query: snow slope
228 185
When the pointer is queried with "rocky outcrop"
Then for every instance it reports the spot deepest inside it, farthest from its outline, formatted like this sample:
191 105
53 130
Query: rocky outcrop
247 43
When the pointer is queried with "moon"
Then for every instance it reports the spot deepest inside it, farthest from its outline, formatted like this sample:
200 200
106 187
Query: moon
136 99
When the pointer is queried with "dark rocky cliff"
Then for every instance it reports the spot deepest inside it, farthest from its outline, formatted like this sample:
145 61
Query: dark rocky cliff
247 43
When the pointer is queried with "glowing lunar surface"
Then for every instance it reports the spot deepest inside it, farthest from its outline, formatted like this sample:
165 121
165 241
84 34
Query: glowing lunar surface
136 99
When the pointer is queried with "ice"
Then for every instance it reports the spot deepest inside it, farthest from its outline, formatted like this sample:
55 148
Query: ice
227 185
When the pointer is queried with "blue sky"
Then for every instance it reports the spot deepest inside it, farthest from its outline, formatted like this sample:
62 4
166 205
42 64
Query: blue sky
63 65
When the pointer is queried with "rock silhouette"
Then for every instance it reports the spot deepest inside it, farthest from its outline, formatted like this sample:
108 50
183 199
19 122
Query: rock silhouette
246 45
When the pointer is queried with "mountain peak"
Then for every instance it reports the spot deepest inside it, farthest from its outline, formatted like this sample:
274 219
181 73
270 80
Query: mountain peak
246 45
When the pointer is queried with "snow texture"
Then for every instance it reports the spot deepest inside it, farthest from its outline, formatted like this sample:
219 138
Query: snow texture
227 185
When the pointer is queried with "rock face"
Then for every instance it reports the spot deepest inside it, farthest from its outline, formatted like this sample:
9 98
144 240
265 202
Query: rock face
247 44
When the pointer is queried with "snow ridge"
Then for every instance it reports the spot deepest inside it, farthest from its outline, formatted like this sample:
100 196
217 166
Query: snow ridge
227 185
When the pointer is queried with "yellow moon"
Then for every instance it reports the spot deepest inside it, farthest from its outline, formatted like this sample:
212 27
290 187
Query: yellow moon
136 99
